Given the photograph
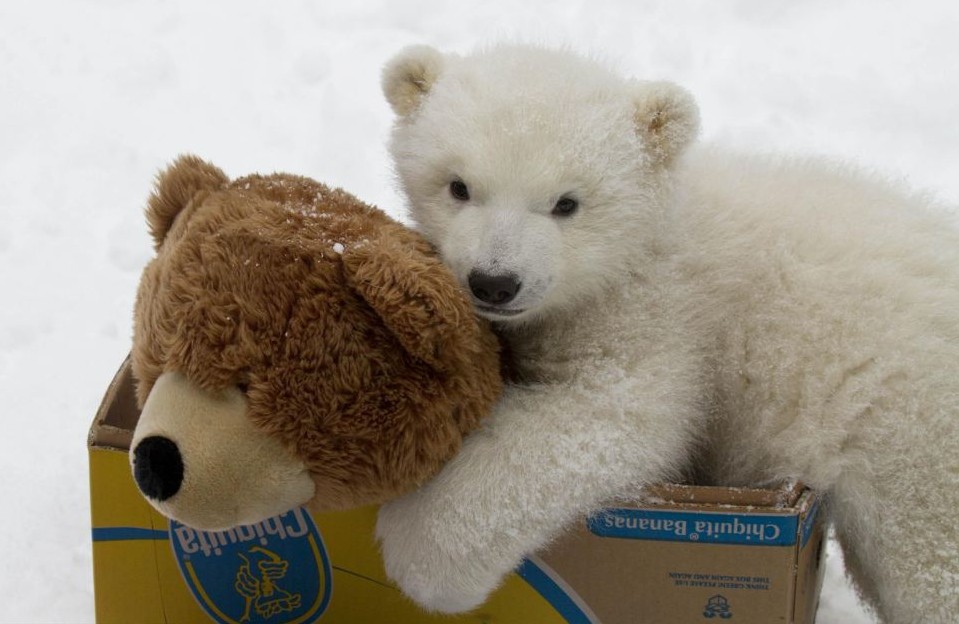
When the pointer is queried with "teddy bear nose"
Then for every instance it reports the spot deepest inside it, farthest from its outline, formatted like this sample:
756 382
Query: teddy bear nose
158 467
494 289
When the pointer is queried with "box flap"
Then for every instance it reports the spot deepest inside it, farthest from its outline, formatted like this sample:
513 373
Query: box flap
118 414
779 499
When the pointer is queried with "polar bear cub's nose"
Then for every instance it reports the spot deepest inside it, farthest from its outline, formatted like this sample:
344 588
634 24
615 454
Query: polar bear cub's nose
494 289
158 467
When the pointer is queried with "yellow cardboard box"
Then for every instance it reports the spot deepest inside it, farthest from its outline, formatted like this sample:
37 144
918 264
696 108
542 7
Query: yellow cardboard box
685 555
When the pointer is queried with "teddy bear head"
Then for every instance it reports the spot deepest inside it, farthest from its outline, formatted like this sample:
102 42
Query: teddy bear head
293 345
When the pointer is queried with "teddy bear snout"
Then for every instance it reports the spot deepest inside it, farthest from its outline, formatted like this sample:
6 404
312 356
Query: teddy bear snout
199 458
158 467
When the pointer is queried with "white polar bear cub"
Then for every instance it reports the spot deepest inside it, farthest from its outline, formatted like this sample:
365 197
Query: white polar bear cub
672 309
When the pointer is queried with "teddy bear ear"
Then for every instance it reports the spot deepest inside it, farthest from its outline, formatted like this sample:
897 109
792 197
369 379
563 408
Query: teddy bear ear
409 76
417 298
175 187
666 118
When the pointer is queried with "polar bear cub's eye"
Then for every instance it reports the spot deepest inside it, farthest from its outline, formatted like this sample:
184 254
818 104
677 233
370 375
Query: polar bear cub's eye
459 190
565 207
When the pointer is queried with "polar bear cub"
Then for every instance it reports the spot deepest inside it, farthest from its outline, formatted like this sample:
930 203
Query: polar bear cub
674 308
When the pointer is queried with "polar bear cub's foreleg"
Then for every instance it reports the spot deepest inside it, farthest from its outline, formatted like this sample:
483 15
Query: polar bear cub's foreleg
548 455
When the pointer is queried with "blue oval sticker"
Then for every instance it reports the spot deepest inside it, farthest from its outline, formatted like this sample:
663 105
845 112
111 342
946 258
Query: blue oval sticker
272 572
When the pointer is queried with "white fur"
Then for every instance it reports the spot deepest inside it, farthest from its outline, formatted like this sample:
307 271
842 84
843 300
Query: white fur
742 317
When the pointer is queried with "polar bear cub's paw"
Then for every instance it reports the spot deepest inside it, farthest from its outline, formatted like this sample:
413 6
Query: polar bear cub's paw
423 555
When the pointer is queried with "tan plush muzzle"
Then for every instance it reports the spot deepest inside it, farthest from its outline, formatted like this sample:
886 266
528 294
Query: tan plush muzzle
198 459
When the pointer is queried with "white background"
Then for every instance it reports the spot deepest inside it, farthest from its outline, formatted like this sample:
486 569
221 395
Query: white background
96 96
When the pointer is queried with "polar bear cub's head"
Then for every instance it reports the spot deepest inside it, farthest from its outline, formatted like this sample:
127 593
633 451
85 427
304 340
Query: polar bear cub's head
540 175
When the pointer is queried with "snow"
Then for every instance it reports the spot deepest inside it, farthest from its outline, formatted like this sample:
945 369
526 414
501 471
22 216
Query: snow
95 96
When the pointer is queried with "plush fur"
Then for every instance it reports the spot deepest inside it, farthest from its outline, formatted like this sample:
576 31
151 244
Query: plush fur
743 318
332 331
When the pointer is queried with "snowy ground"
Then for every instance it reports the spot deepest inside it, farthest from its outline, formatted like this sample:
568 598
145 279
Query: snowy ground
95 96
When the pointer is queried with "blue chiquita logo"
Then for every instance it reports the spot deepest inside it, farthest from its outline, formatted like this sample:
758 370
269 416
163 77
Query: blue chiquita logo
272 572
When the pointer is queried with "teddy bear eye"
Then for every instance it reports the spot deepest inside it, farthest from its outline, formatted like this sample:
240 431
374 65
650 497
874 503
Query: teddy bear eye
459 190
243 387
565 207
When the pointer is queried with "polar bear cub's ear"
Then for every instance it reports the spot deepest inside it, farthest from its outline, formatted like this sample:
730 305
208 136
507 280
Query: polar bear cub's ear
409 76
666 118
175 188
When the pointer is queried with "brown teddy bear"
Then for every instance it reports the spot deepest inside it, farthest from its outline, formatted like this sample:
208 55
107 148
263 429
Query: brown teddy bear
293 345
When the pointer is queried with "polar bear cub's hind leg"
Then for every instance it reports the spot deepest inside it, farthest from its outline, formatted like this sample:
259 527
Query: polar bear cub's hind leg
895 512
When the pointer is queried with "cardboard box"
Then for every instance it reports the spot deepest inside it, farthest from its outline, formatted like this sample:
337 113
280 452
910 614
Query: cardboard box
682 554
694 554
